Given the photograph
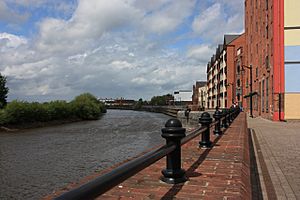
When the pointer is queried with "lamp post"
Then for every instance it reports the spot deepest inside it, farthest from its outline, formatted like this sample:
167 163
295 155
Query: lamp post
251 90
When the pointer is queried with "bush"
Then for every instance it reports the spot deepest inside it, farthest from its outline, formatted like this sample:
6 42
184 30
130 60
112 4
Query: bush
3 117
85 107
59 110
16 111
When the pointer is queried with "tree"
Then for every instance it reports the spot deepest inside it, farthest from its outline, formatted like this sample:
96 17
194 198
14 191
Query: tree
161 100
3 91
138 104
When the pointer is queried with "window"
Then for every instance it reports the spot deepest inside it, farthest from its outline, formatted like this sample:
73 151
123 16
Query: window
260 91
256 27
267 94
272 93
238 82
263 96
267 31
256 72
267 4
267 62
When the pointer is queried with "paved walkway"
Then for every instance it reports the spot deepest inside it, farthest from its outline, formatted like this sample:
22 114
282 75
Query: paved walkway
222 172
277 149
219 173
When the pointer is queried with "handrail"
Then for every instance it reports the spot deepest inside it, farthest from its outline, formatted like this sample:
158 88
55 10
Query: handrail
175 138
107 181
192 135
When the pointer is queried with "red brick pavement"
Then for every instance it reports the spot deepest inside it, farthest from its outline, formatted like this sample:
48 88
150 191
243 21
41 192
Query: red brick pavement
222 172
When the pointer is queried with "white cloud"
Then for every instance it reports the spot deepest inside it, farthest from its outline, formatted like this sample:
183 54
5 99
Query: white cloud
110 48
118 64
9 41
89 22
220 18
11 16
169 17
201 52
209 18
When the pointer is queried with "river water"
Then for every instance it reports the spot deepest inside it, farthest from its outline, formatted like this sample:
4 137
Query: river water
35 162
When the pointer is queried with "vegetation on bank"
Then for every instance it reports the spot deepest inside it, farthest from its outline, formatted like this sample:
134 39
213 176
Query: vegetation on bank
83 107
162 100
3 91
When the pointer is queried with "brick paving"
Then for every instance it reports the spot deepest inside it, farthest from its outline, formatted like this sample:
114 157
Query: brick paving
277 144
218 173
222 172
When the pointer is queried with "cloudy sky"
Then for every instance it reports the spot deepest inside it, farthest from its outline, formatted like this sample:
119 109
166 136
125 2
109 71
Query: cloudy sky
57 49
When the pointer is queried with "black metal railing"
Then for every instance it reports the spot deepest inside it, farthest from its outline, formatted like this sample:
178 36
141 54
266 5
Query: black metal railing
175 137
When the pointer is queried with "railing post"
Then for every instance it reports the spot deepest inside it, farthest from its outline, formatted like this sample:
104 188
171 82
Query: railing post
205 120
233 113
236 109
224 113
217 115
229 116
173 133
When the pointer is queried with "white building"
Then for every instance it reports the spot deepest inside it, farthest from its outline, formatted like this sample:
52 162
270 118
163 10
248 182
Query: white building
202 96
183 97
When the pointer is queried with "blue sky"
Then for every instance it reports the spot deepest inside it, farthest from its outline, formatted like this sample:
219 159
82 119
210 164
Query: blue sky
54 49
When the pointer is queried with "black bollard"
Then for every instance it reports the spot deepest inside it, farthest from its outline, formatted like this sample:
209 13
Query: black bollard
235 112
205 120
232 114
228 116
218 115
173 133
224 114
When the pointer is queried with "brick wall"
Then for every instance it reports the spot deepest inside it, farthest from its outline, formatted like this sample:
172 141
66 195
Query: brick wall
259 34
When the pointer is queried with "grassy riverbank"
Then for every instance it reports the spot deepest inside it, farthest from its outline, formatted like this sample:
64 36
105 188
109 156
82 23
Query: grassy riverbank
23 114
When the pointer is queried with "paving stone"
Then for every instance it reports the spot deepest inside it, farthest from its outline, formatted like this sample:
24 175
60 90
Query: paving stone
279 144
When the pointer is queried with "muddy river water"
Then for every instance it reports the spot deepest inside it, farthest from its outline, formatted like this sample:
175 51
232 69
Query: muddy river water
35 162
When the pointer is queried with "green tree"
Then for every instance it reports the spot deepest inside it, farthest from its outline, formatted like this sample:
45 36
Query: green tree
138 104
87 107
161 100
3 91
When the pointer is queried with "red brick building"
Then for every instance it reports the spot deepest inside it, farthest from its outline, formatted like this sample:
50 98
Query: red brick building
235 62
224 74
265 57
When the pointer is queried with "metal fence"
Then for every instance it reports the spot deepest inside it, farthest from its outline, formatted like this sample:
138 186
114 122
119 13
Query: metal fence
175 136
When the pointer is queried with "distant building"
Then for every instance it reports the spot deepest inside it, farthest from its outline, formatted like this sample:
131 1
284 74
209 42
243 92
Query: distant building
199 95
183 97
224 85
202 99
117 102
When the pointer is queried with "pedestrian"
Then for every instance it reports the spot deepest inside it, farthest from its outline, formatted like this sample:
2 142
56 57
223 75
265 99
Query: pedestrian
187 113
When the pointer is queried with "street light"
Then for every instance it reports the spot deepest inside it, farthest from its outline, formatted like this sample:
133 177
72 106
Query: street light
251 92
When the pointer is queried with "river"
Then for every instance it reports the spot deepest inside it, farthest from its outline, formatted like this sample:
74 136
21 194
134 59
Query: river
35 162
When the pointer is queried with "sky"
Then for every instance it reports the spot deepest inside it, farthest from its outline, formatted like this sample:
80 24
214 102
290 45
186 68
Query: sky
58 49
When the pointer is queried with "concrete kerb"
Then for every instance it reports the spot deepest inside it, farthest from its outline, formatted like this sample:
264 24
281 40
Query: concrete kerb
260 174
